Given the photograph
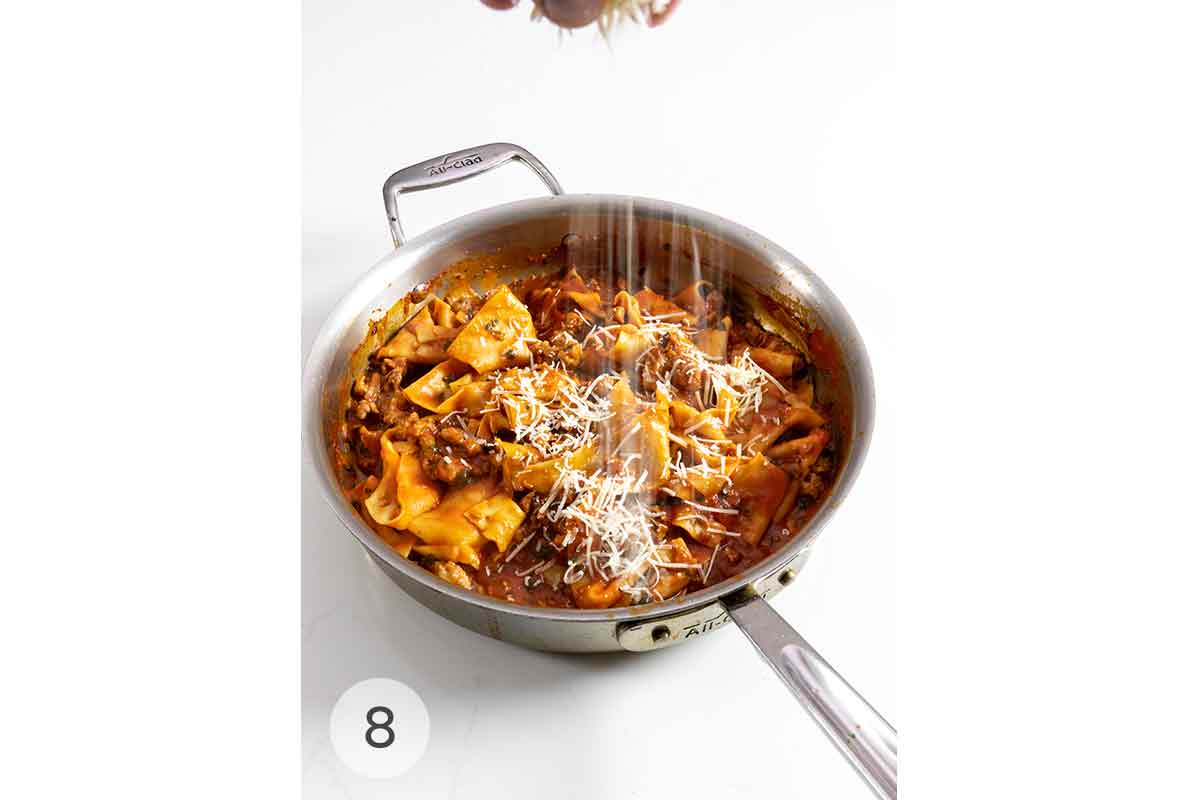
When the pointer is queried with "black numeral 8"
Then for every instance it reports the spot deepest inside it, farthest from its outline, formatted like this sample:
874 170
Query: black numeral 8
373 726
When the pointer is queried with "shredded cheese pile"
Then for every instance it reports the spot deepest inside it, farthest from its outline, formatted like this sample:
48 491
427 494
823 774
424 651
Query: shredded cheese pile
620 543
556 427
611 506
742 379
614 504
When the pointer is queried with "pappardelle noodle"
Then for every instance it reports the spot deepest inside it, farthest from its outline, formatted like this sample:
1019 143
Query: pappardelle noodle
560 442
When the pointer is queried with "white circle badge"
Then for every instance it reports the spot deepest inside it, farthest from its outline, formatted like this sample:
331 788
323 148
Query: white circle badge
379 728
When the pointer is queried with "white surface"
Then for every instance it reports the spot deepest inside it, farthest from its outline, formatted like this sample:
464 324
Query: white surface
780 123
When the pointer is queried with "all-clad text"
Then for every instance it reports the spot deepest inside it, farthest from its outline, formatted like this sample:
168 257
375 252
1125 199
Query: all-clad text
459 163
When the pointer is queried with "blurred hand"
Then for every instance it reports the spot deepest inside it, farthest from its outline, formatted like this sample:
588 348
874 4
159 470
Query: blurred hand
580 13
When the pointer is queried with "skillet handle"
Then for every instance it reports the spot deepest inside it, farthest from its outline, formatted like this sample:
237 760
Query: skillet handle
863 736
455 167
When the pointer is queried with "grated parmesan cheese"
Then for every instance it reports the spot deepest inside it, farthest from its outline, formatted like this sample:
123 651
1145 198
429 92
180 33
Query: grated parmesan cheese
613 504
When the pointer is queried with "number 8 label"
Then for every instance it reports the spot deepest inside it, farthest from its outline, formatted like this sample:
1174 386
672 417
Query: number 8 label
373 726
379 728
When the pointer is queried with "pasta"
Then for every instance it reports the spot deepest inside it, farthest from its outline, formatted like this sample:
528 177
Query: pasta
404 492
561 441
497 335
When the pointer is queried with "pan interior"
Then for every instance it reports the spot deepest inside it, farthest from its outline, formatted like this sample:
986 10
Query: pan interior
644 241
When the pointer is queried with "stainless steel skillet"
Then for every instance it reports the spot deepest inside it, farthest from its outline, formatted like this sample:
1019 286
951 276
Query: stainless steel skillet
675 243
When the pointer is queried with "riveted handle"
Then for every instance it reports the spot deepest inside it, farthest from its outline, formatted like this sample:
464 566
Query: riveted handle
452 168
860 732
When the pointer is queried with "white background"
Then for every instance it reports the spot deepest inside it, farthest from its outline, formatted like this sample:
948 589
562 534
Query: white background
783 128
1041 224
